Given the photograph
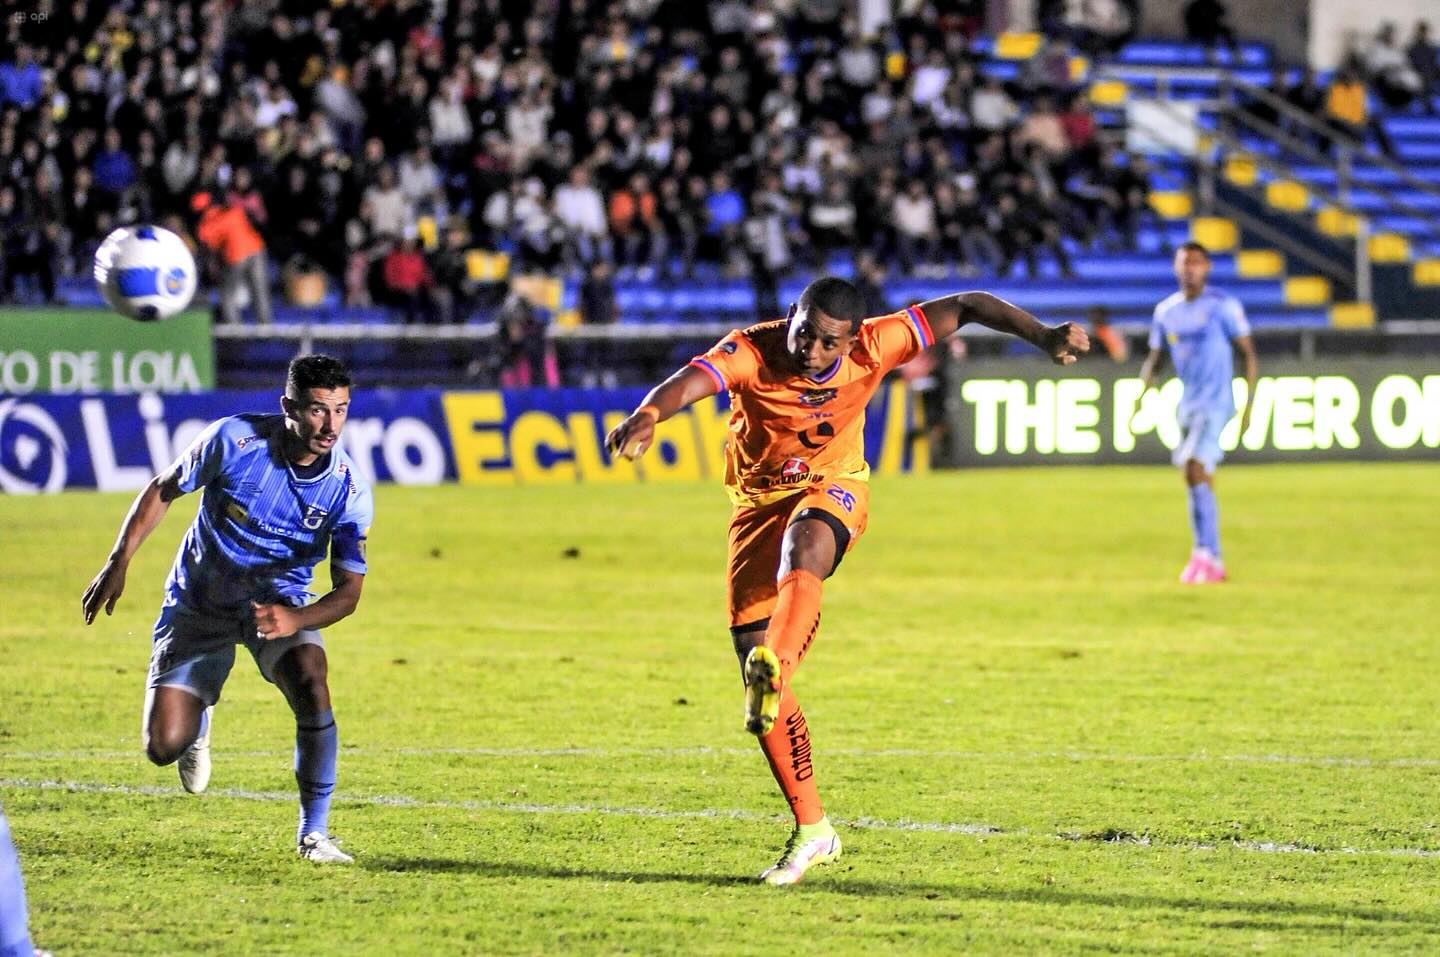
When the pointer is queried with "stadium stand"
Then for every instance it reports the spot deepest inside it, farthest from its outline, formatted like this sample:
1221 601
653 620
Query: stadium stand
404 167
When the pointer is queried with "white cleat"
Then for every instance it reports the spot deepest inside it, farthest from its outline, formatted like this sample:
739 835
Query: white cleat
194 764
321 849
802 853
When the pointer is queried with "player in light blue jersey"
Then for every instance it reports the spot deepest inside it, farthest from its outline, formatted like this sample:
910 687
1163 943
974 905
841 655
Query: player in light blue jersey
1202 328
279 495
14 922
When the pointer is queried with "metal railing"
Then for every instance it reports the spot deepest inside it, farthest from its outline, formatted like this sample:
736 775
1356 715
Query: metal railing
1348 148
1210 161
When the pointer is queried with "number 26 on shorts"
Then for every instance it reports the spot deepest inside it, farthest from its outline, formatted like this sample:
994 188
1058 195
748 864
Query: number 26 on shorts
845 499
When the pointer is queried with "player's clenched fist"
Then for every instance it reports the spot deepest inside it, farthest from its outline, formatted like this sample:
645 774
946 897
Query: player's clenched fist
632 437
274 621
1066 343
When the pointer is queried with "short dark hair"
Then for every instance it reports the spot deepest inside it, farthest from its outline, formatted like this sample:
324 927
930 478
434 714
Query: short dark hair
836 298
1193 247
315 371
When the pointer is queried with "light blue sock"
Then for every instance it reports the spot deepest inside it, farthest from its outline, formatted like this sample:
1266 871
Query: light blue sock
1205 518
317 745
14 926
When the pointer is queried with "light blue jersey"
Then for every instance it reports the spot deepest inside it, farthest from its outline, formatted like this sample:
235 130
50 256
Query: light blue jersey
262 529
1199 333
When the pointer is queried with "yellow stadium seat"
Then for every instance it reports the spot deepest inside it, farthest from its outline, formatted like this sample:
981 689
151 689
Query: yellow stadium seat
1287 195
1426 272
428 231
1334 222
567 318
1171 205
1389 248
1307 291
895 66
1259 263
1016 46
541 291
481 265
1108 93
1352 315
1214 233
1079 69
1240 170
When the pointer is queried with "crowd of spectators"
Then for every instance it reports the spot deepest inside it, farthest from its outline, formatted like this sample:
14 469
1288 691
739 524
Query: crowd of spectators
376 143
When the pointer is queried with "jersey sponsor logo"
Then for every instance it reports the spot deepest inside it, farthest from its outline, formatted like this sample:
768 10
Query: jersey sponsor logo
818 397
352 487
314 517
241 443
794 468
824 432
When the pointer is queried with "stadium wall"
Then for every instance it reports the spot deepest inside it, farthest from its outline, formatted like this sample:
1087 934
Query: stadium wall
1280 23
1359 409
91 351
1338 25
115 443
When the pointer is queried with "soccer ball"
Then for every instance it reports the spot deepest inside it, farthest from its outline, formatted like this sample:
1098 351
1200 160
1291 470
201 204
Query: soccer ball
145 272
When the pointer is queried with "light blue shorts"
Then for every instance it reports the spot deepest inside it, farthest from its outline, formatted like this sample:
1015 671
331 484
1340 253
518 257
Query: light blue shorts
196 652
1200 438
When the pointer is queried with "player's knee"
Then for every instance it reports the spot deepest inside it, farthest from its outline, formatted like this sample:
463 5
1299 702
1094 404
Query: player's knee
307 683
809 547
164 747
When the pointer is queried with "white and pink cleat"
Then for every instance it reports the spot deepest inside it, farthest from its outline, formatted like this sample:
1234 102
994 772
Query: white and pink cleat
1203 569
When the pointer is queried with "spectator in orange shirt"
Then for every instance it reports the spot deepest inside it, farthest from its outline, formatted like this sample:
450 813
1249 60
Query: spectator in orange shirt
635 222
228 234
1102 332
1348 109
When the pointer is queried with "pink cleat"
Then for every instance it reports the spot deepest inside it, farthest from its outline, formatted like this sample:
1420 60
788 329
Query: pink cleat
1196 568
1213 573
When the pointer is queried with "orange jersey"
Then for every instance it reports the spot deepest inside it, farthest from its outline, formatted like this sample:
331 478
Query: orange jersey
787 431
227 231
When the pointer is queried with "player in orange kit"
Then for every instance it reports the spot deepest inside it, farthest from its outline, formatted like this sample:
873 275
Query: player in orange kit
795 470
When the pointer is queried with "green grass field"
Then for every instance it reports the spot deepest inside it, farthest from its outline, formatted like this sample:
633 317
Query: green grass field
1039 742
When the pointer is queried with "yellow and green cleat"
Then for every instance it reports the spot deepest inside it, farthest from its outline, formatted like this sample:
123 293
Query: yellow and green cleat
809 846
762 690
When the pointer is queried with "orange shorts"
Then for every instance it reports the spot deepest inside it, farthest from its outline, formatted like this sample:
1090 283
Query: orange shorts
756 535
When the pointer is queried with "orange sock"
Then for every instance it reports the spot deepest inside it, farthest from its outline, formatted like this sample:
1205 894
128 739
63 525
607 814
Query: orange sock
795 620
787 747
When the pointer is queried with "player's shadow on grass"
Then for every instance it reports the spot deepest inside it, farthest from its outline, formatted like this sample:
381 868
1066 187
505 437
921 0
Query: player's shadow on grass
837 884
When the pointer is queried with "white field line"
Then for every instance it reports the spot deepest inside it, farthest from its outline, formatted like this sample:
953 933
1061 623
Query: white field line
737 814
1079 757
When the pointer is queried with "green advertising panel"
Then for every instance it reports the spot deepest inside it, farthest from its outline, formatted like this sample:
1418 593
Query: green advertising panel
1031 413
85 351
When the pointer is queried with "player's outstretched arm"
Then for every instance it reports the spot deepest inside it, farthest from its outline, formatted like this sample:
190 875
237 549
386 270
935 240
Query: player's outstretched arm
145 514
1064 343
282 621
632 437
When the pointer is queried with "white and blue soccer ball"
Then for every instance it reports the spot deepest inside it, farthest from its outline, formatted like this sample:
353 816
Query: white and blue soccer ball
145 272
